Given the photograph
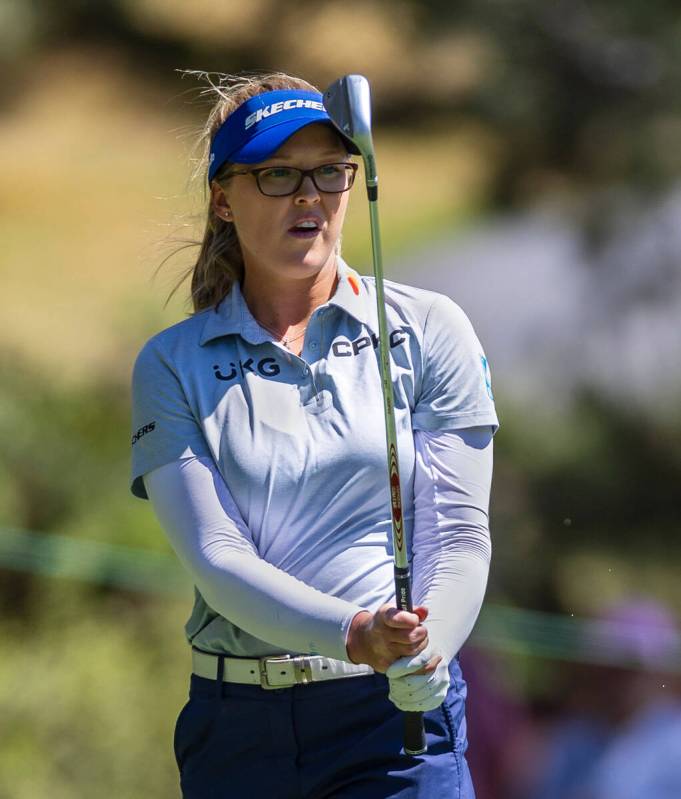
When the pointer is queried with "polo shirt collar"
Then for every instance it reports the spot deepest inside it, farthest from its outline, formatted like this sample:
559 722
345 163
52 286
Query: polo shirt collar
351 296
232 314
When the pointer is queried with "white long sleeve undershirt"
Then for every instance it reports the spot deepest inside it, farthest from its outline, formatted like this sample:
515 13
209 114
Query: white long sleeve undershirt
451 547
451 544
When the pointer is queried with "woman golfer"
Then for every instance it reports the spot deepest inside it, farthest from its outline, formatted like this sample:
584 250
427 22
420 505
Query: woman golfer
258 436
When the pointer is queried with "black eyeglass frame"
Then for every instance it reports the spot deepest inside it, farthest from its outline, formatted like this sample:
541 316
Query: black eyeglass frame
303 173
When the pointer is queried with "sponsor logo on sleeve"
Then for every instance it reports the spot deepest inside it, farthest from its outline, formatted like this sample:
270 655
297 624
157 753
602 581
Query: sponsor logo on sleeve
488 376
147 428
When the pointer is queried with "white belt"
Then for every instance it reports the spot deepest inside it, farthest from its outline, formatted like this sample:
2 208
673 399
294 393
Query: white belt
277 671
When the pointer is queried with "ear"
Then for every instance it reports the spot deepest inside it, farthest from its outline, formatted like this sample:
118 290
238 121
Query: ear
219 203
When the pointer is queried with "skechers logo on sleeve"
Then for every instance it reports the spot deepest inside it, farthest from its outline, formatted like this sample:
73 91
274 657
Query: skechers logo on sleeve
267 367
148 428
277 108
345 348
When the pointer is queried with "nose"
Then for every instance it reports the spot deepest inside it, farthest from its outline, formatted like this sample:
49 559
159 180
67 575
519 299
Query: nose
307 193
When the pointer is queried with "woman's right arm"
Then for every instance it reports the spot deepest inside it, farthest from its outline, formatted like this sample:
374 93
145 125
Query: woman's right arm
206 530
204 526
173 465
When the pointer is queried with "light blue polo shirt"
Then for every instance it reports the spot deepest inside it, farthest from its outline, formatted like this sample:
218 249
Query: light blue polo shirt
300 441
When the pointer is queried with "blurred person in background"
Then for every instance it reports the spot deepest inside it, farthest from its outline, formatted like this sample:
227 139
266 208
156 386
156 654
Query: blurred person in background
619 732
259 439
495 716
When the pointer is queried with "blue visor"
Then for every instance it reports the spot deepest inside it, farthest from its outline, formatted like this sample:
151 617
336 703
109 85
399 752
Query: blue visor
258 127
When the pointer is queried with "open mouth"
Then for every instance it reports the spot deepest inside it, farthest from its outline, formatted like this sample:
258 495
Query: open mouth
305 230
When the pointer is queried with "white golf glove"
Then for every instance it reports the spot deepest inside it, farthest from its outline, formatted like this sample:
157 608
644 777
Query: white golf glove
418 692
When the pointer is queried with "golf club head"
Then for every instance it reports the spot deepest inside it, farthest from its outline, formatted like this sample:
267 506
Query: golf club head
348 103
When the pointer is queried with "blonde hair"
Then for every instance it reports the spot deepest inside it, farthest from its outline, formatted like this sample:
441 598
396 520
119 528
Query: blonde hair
220 262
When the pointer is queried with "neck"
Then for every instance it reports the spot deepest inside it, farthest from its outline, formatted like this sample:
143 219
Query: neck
283 304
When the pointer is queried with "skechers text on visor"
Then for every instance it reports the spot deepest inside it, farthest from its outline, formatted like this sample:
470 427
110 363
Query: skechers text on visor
258 127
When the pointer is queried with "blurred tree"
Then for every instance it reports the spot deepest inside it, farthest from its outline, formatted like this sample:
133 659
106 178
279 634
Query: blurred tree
586 92
608 491
575 90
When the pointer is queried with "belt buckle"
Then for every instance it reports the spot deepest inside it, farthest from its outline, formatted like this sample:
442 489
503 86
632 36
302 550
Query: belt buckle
302 671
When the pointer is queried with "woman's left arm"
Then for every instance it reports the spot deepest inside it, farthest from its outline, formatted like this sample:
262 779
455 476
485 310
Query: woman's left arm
451 554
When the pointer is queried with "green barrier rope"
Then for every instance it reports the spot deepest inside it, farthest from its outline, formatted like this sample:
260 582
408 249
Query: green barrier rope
94 561
501 628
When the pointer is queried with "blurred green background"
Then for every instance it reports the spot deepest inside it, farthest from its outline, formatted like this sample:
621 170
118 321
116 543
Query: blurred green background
530 166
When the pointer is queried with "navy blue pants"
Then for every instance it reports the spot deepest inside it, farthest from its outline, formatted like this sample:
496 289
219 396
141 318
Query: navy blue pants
340 739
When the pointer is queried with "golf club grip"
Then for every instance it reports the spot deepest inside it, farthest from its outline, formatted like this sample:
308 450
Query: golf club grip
414 734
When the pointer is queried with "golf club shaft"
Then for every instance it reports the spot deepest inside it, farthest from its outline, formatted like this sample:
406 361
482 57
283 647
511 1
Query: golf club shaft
414 734
348 103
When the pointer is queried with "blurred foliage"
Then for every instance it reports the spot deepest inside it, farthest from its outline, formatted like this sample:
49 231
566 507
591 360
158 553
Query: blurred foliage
587 501
92 677
481 105
606 483
90 704
585 91
66 458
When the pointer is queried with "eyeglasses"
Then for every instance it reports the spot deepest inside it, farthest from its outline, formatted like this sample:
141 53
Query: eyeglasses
279 181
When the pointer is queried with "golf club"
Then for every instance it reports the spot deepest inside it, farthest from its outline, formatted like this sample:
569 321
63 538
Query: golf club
348 103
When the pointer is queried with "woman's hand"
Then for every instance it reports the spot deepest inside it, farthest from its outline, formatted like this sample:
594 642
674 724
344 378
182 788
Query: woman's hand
379 639
419 683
